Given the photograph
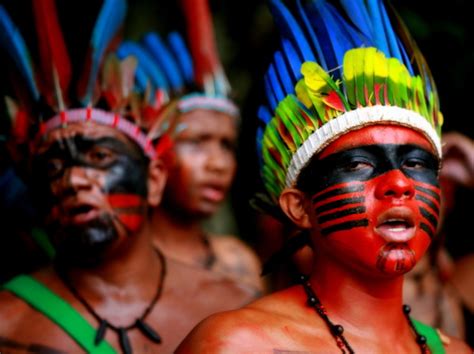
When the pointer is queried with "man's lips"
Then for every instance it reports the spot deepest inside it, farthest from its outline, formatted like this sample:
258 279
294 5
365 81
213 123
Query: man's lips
81 213
396 225
214 193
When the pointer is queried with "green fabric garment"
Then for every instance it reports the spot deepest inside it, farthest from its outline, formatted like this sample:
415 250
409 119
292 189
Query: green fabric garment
59 311
432 337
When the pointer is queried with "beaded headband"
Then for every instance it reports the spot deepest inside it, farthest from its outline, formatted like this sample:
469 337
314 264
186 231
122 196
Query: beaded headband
195 77
104 90
341 66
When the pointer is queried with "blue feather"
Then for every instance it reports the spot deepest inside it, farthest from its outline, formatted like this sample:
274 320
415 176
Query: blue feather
390 34
293 59
12 41
357 11
275 84
146 62
333 39
324 37
290 28
264 114
312 35
284 74
378 33
141 78
164 59
406 59
181 53
270 95
111 17
353 37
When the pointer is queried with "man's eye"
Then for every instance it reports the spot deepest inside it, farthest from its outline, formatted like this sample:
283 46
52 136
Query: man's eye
354 166
414 164
100 156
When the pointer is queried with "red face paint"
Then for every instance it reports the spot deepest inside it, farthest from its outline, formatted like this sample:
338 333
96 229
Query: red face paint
128 210
377 204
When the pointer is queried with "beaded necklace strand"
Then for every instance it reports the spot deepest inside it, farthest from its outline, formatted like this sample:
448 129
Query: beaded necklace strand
337 331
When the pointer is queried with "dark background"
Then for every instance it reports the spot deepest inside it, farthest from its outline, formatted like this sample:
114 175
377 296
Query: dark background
246 40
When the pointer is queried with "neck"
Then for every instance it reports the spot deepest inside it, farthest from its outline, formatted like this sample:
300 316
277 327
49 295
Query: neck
127 270
358 302
179 236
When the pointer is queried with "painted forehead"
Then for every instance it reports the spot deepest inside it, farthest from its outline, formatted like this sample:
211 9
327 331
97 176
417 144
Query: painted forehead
378 134
90 131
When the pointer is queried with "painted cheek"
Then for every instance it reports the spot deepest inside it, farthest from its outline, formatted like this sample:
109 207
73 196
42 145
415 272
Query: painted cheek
343 217
428 198
128 210
126 176
341 208
125 189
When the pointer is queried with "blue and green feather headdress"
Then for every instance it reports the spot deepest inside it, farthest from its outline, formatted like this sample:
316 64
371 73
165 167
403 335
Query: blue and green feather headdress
193 78
341 66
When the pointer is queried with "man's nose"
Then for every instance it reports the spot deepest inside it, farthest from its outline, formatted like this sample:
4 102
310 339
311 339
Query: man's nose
74 179
394 184
218 160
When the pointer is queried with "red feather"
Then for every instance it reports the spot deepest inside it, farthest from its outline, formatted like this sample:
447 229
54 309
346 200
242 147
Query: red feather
164 145
55 63
201 39
334 101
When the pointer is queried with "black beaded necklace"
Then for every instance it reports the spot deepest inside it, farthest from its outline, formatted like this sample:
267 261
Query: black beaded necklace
337 331
139 323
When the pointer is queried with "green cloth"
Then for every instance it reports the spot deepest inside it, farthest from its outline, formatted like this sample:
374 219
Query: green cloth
432 337
59 311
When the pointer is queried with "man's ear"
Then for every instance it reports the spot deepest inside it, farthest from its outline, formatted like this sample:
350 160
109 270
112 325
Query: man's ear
157 175
293 202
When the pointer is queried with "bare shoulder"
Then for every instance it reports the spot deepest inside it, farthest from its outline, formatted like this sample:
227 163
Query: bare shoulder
24 329
256 327
235 258
455 346
225 332
13 312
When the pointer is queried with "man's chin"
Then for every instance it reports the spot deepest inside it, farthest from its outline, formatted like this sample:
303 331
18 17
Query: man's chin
86 245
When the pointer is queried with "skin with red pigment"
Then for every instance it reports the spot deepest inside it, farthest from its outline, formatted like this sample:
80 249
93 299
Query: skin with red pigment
199 180
96 190
358 267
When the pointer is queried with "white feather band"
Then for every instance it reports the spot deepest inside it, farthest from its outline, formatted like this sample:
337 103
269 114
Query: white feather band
354 120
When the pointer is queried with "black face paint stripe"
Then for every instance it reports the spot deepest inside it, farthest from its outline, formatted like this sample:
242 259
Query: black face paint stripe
365 162
430 217
338 191
344 226
429 192
428 202
427 229
339 203
340 214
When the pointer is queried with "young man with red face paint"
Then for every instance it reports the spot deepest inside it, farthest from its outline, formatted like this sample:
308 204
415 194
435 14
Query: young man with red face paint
351 153
97 174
